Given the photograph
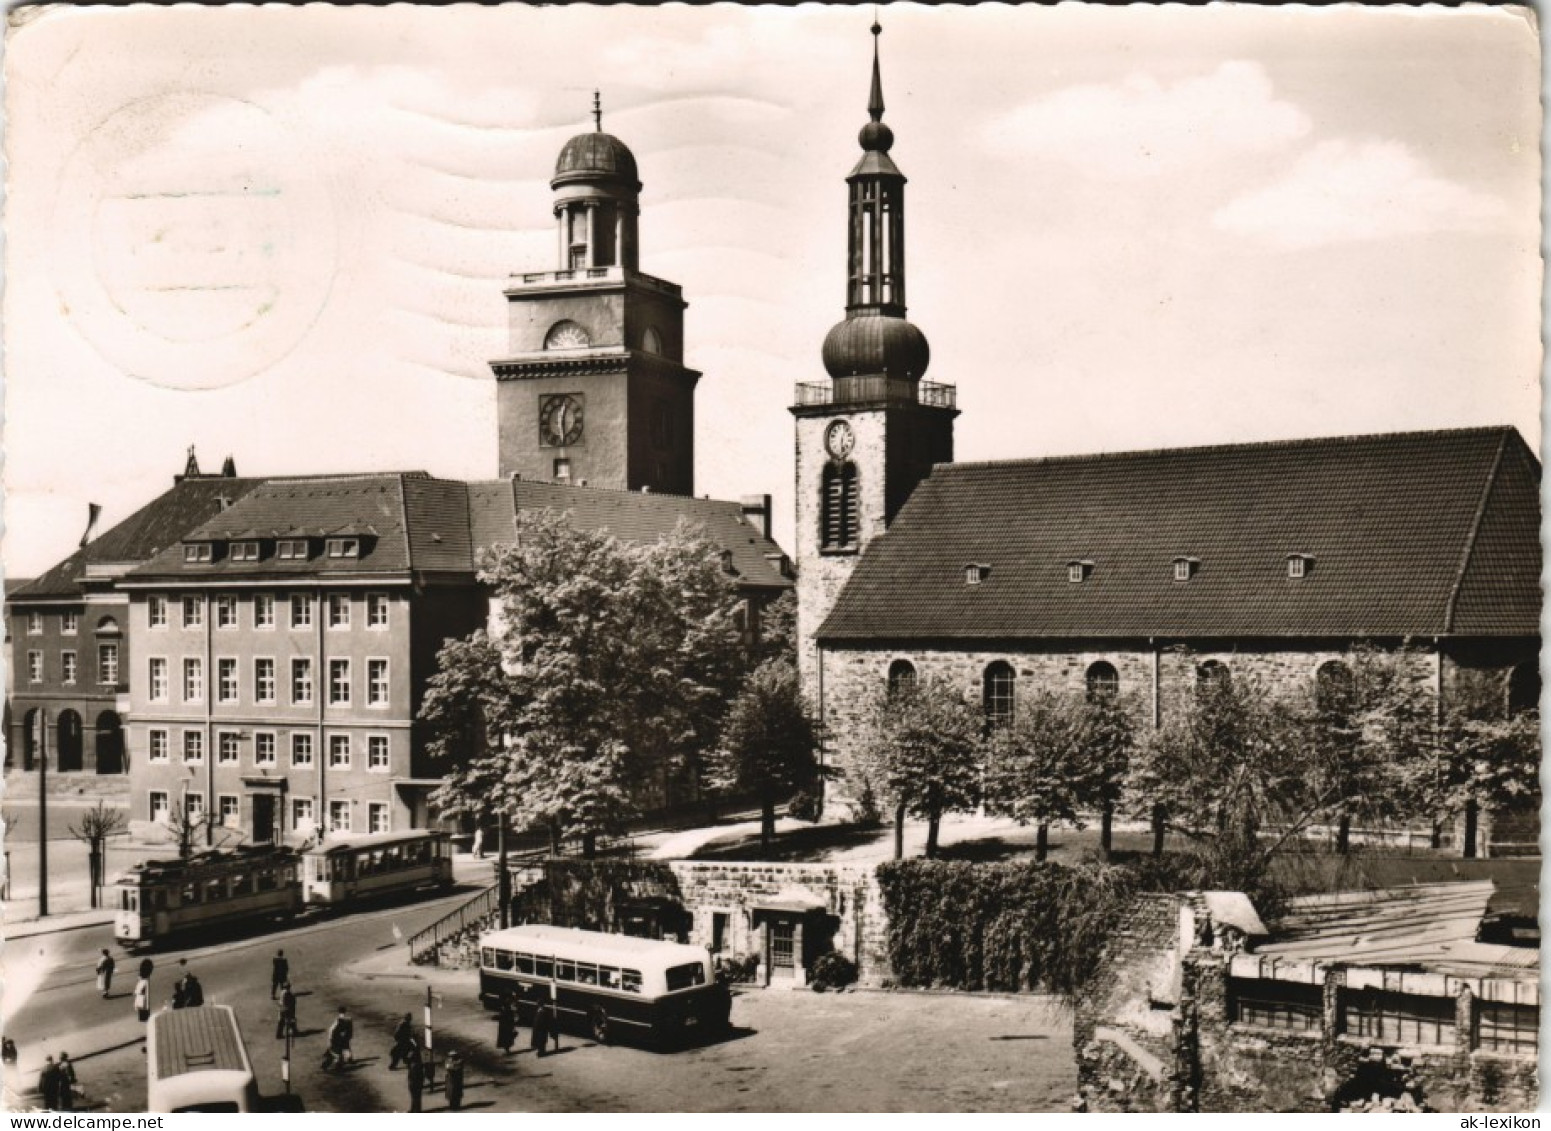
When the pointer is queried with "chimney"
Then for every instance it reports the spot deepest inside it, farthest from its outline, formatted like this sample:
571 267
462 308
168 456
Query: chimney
93 513
756 512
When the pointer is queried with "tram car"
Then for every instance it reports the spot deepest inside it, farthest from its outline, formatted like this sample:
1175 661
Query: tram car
348 868
161 898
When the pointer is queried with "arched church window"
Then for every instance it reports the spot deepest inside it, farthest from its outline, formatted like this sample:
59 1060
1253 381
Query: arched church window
902 678
839 521
1524 689
1103 681
1212 676
1335 690
998 692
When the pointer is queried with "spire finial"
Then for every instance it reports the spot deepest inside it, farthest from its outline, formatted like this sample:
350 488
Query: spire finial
597 111
875 101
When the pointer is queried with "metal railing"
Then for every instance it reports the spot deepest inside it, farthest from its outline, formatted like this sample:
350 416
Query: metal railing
857 390
476 911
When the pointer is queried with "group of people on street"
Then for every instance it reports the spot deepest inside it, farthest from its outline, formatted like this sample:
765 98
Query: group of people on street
57 1084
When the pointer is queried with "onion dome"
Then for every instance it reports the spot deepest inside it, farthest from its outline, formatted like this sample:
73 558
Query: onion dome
867 344
596 156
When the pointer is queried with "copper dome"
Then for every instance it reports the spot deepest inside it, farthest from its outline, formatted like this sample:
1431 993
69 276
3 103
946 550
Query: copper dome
870 344
596 156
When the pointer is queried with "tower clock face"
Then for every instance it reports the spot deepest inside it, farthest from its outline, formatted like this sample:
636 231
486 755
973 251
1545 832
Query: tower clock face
560 419
566 336
839 439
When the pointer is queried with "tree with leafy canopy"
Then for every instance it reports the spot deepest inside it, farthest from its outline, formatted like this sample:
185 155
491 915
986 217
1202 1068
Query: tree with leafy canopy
922 748
1489 757
770 742
610 665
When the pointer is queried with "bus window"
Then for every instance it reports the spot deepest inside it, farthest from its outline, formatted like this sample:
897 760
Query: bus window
503 960
682 977
565 969
544 967
587 973
525 964
487 956
608 977
630 981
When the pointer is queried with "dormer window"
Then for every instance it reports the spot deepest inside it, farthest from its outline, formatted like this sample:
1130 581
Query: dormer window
344 547
975 573
1185 568
291 549
1078 571
198 552
244 552
1299 566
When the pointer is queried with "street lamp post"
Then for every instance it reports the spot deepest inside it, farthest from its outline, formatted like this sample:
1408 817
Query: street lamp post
42 813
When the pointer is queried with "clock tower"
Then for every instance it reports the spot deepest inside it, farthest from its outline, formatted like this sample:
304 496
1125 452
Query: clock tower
871 432
594 388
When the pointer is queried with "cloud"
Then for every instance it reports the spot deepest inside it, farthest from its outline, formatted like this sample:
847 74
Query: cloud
1341 191
1141 127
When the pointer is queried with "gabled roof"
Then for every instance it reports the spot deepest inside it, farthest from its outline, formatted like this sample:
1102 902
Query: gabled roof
1422 533
629 515
151 529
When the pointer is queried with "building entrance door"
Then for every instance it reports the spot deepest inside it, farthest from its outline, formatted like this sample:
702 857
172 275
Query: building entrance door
263 818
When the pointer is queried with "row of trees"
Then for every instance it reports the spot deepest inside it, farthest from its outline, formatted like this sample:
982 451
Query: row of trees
1235 768
613 666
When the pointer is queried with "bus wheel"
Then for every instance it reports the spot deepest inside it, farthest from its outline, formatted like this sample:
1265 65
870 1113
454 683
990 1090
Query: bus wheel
598 1023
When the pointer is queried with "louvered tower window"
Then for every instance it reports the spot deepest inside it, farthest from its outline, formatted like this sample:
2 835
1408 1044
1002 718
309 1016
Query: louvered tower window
839 519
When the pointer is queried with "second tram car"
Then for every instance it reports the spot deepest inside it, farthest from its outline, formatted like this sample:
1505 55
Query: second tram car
159 898
359 867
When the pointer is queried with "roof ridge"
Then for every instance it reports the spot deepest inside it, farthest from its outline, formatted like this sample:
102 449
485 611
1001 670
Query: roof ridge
1471 537
1251 445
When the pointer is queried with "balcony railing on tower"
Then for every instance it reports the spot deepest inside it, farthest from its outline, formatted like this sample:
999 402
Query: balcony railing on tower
859 390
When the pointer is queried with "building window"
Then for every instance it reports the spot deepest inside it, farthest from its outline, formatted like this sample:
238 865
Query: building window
159 810
193 805
1213 676
1335 691
377 752
1524 689
263 610
301 681
376 683
226 611
264 748
1390 1018
194 747
1509 1028
34 624
1103 681
339 751
339 683
839 523
35 667
301 814
339 816
301 610
197 552
107 663
193 612
291 549
193 679
264 679
245 551
902 678
69 623
156 611
1185 568
975 573
159 746
226 751
339 610
344 547
1077 572
376 610
68 666
226 680
998 692
158 683
562 471
301 750
1299 566
230 810
377 817
1295 1006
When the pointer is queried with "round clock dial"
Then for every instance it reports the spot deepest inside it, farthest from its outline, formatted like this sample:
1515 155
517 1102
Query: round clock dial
560 420
839 439
566 336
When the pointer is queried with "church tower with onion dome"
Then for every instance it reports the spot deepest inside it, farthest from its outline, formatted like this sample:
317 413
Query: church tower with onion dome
871 432
594 388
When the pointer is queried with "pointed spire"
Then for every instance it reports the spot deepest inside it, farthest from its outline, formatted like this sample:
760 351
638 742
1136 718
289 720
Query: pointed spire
191 468
597 111
875 101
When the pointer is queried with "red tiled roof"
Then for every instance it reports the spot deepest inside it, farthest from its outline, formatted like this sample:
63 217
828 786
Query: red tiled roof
1429 533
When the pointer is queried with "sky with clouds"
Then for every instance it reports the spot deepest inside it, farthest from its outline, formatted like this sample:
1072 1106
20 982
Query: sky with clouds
282 233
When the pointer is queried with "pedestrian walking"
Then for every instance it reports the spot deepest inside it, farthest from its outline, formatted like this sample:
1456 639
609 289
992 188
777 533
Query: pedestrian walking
105 972
48 1084
453 1086
287 1022
341 1033
538 1040
479 843
552 1022
7 1051
505 1024
143 998
279 973
193 992
66 1082
415 1074
180 987
403 1038
146 966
